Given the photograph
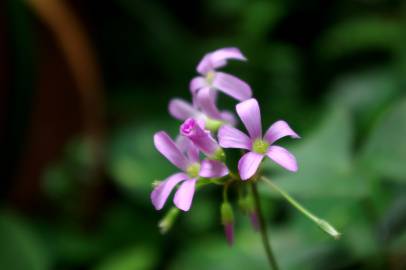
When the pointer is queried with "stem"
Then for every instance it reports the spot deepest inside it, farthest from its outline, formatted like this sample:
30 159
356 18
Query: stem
324 225
263 229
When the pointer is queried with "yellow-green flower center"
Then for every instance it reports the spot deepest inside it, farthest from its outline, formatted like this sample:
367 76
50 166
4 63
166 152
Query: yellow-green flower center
210 77
260 146
219 155
193 170
213 124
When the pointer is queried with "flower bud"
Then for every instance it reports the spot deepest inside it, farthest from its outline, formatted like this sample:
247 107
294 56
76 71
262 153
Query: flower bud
165 224
227 219
200 137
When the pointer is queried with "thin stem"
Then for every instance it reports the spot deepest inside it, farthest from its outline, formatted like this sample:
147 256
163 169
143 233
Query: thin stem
263 229
324 225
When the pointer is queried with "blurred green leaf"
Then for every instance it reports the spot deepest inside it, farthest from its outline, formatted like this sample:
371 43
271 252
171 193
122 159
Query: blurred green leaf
20 247
135 258
324 159
385 150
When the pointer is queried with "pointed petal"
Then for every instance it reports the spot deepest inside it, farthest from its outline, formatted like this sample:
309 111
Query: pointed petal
196 83
248 164
212 168
167 147
206 101
251 117
283 157
161 193
278 130
232 86
184 194
230 137
181 109
218 58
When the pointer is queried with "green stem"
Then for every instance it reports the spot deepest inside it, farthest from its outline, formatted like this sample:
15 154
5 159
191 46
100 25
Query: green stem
263 229
320 222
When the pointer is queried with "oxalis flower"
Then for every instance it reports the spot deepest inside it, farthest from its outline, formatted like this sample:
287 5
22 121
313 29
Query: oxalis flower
204 86
258 146
208 115
185 156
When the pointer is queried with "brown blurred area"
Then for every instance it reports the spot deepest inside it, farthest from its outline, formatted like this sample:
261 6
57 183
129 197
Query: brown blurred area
66 98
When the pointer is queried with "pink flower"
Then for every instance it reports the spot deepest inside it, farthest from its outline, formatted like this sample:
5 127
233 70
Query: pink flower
185 156
202 87
258 146
208 114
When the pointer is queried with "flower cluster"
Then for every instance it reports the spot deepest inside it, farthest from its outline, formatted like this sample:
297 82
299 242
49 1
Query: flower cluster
198 151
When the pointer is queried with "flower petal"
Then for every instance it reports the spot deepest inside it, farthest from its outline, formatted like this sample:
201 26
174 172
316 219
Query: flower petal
283 157
188 148
206 101
212 168
230 137
229 118
251 117
181 109
161 192
248 164
167 147
218 59
232 86
278 130
196 83
184 194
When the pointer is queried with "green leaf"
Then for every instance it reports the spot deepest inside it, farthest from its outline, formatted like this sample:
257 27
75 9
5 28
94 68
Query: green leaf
324 159
20 247
385 151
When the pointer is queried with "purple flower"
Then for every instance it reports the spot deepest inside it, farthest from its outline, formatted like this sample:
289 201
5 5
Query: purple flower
210 117
201 138
203 86
185 156
257 145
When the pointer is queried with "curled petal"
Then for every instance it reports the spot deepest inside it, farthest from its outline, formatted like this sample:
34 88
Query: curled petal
232 86
218 58
248 164
161 193
212 168
184 195
200 137
181 109
278 130
283 157
251 117
230 137
167 147
196 83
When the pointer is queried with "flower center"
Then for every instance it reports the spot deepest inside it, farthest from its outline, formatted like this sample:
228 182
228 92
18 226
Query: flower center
213 124
193 170
260 146
210 77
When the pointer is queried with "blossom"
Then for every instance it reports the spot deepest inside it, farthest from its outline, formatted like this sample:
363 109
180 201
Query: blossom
258 147
203 86
208 115
185 156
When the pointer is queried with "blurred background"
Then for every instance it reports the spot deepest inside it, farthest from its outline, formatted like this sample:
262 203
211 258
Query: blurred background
85 84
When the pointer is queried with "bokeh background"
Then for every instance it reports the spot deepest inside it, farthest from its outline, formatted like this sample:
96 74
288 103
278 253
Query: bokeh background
85 84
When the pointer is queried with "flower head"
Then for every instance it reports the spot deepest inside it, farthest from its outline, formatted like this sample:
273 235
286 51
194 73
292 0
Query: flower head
211 79
185 156
258 146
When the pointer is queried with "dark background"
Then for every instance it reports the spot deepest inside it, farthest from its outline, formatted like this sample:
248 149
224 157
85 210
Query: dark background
85 84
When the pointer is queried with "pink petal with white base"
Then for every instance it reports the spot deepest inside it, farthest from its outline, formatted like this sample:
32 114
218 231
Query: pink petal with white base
278 130
248 164
283 157
251 117
184 195
161 193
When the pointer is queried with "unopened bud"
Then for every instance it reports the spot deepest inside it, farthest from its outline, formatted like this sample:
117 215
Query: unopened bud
325 226
166 223
227 219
